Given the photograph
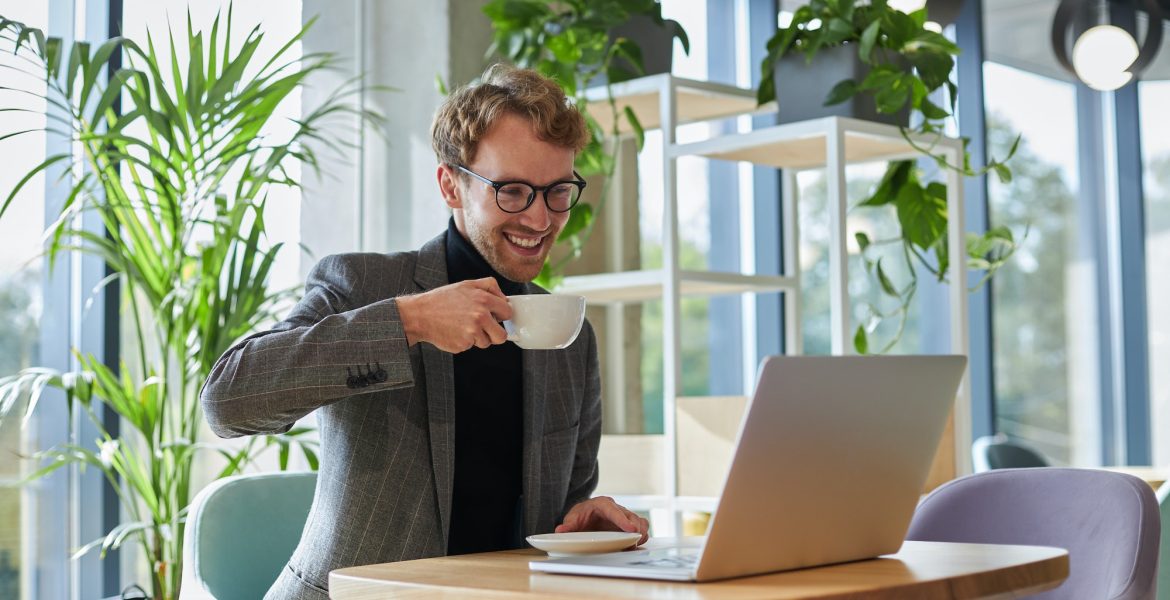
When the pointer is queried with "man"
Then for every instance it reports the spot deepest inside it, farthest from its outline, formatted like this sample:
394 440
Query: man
438 436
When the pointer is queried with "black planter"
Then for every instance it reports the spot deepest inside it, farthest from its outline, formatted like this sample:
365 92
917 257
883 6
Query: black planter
944 12
656 43
802 86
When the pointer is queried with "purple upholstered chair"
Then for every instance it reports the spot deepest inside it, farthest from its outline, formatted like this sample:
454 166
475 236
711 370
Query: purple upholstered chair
1108 522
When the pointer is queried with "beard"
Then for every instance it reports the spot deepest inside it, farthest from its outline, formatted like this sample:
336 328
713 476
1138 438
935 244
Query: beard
495 248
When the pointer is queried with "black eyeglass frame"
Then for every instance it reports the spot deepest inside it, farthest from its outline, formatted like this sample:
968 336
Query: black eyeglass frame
543 189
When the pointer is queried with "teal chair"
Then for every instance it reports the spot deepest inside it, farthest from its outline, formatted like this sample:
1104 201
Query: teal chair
999 452
241 532
1163 495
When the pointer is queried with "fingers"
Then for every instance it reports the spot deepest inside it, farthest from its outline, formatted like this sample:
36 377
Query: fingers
629 521
496 333
643 527
575 519
488 284
499 308
616 515
467 315
494 301
625 519
602 513
483 333
489 331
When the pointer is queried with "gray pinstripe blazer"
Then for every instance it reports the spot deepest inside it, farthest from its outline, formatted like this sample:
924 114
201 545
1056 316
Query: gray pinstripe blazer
387 458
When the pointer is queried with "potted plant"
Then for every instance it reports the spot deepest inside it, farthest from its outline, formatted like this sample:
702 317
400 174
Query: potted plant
180 179
895 64
578 43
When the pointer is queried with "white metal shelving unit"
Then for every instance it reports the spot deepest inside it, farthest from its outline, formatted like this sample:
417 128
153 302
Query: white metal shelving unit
664 102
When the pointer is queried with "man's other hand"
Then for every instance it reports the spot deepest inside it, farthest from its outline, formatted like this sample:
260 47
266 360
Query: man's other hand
456 317
603 514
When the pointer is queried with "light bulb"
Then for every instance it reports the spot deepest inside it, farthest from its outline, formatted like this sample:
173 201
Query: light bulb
1101 56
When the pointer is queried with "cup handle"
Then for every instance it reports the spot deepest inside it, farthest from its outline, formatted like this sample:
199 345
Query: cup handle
511 329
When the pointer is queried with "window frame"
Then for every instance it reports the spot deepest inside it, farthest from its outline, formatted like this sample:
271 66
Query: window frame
1110 167
69 508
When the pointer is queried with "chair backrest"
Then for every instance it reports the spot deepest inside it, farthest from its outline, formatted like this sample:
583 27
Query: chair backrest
1163 496
998 452
1107 521
241 532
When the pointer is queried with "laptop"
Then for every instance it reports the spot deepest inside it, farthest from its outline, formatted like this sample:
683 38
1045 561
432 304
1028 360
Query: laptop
831 457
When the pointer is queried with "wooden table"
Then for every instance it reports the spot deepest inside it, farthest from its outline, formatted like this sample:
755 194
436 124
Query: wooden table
933 570
1155 476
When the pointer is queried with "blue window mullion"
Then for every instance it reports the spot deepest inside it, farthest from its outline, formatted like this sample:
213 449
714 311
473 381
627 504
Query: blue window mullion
99 509
1131 262
973 126
724 312
769 242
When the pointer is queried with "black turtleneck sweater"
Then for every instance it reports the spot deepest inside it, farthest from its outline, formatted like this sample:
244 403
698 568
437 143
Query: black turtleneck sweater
489 434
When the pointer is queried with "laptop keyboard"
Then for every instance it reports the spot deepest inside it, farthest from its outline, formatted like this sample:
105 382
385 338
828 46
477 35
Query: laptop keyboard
684 561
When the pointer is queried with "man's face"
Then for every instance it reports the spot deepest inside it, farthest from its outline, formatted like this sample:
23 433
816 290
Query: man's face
516 244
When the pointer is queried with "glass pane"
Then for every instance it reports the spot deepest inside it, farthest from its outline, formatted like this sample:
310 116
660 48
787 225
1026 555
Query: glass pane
1044 340
878 312
20 289
1153 98
693 206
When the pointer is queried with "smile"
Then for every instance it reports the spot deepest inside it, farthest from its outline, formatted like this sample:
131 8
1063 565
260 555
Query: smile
524 242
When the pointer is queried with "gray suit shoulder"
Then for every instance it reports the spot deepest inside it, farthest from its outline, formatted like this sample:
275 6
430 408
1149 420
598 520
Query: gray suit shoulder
357 262
366 277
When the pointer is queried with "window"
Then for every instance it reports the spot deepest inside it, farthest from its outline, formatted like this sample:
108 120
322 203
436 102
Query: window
1153 97
41 524
864 292
694 236
20 299
1044 341
718 216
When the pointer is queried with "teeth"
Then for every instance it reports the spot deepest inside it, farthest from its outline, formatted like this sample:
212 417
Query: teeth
524 242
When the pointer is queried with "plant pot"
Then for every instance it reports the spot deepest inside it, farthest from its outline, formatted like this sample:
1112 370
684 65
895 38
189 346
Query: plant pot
943 12
802 86
656 43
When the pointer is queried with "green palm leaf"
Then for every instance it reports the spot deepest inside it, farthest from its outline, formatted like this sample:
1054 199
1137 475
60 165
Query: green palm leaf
180 180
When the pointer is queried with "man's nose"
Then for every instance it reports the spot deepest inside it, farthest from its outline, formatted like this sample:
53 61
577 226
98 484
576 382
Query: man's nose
537 216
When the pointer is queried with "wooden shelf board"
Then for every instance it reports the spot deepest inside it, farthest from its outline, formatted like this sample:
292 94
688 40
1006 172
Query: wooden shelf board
695 101
640 286
802 145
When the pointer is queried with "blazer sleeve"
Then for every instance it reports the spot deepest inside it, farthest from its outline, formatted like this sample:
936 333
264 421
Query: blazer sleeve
583 480
269 380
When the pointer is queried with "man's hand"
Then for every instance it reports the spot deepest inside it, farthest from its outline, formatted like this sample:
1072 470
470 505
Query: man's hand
458 316
603 514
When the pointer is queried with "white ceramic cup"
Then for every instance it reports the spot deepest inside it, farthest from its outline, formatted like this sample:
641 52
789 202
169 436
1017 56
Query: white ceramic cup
545 321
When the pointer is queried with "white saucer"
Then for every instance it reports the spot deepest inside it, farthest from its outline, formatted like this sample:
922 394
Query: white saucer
583 542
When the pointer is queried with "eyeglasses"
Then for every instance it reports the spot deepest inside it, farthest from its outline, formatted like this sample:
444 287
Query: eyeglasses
517 196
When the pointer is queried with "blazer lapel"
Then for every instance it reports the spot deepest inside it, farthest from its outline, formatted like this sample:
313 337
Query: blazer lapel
535 369
431 272
438 366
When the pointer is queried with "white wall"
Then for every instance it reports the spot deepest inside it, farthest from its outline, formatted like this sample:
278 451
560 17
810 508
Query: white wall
381 196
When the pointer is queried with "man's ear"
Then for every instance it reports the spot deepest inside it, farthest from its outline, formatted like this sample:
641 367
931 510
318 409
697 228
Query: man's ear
449 186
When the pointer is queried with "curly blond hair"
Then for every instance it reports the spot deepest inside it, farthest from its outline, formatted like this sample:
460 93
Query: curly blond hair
468 113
